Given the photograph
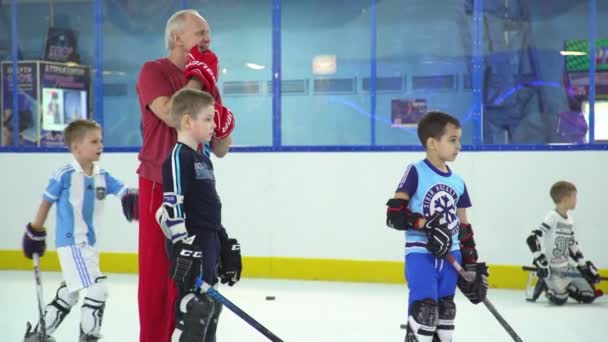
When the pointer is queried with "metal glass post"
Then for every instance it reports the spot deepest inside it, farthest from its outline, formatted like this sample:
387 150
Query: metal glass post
373 72
276 73
592 62
98 62
14 56
477 66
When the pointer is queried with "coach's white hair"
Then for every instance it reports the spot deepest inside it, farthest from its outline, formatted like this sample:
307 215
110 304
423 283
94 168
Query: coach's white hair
175 24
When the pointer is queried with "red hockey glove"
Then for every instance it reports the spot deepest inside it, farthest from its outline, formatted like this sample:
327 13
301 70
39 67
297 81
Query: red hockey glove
224 121
204 66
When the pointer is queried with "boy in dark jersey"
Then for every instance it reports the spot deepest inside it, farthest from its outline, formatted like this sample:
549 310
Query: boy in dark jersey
190 217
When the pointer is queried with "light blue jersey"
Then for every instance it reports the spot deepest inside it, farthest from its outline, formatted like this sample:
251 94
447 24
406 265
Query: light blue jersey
431 190
80 201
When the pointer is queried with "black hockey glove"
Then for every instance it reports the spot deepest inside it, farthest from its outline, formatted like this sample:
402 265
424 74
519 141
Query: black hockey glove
589 272
186 261
440 239
230 262
130 206
399 216
476 290
33 241
542 266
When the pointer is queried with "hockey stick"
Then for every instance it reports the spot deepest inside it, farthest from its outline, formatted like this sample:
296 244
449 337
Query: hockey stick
486 301
534 269
38 278
237 311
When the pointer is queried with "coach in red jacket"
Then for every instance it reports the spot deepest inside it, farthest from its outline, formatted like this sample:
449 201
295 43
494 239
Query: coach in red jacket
190 64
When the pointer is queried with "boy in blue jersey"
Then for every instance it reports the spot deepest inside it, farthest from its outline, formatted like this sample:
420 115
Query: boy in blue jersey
190 217
79 189
430 206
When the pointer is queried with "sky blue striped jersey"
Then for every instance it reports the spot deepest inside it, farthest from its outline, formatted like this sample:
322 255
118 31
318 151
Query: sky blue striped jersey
80 200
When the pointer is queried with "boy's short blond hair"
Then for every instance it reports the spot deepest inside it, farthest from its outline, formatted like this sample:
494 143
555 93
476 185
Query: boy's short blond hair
561 189
77 129
189 102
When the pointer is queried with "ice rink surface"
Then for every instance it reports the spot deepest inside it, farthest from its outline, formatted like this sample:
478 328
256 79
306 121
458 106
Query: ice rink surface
313 311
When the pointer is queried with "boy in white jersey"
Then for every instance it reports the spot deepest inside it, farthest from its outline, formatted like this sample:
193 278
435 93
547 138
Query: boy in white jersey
553 245
430 205
79 189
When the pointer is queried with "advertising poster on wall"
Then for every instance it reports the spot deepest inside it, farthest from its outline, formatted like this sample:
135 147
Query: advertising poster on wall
27 104
406 113
64 97
50 96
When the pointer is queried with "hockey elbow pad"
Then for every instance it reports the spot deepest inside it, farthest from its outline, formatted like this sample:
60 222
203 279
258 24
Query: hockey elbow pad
170 217
468 248
399 216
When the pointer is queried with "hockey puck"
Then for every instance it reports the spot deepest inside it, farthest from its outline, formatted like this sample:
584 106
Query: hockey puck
403 326
270 298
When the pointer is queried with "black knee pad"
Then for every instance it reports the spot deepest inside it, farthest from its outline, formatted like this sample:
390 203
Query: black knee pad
422 320
447 308
196 311
425 312
580 296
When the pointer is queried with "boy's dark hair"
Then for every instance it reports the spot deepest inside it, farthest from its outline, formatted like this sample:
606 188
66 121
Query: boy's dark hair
77 129
189 102
561 189
432 125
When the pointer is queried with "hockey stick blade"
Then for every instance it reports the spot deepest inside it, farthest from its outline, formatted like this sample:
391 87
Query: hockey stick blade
238 311
38 279
486 301
534 269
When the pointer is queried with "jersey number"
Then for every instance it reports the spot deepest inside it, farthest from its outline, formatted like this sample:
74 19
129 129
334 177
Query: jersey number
561 243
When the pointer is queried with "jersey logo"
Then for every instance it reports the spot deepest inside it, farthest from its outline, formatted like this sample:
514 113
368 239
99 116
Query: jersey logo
442 198
203 171
189 253
100 192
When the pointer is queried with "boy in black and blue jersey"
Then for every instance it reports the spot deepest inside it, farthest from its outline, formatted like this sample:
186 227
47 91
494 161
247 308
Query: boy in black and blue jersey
190 217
